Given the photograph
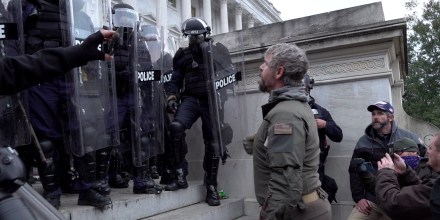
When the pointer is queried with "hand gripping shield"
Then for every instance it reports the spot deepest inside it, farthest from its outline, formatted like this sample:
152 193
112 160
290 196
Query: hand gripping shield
226 103
93 123
14 124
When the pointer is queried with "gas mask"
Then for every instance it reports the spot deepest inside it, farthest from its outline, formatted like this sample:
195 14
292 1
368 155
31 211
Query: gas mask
195 41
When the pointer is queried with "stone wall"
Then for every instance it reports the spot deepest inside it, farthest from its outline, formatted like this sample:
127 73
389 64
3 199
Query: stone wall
356 58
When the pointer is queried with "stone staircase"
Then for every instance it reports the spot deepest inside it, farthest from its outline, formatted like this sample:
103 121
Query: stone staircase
181 204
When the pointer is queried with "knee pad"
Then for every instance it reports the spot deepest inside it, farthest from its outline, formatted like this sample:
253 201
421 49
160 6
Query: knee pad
211 148
48 147
177 128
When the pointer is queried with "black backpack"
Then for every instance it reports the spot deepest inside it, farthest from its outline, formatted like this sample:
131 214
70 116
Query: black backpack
329 185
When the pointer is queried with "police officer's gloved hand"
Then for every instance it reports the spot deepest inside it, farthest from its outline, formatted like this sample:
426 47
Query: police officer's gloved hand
172 105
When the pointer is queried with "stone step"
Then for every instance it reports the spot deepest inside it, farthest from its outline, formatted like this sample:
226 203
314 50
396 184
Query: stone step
126 205
228 209
247 218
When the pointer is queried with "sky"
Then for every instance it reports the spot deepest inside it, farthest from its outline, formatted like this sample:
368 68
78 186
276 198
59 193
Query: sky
291 9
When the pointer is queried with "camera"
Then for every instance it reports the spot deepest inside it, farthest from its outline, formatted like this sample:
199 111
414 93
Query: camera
366 172
391 151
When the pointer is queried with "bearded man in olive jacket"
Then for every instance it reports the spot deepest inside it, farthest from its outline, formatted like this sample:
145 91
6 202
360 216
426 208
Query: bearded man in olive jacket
286 146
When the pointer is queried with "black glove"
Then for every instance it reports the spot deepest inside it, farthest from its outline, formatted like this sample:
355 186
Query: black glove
91 43
172 106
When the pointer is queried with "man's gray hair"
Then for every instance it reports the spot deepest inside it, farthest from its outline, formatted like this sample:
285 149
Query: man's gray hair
292 58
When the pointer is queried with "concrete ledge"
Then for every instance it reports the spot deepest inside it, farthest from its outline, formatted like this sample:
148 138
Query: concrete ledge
127 205
251 208
228 209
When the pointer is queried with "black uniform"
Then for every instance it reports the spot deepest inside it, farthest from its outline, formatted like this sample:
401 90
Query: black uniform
334 132
189 74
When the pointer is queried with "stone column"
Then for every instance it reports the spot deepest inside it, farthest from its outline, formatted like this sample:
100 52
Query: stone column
186 9
161 13
207 12
161 19
224 16
251 21
238 13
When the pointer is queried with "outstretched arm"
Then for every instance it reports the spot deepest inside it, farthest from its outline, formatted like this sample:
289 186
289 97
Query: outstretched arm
20 72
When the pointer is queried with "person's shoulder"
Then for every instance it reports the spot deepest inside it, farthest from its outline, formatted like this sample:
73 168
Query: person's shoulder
401 133
179 54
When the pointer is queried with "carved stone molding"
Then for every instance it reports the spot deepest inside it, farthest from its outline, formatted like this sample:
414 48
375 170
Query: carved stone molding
353 68
335 70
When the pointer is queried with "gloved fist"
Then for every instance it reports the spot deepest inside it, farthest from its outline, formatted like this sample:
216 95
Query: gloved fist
91 43
248 144
172 105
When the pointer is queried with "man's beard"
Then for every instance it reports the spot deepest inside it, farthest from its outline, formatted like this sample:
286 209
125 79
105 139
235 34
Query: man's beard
379 125
262 85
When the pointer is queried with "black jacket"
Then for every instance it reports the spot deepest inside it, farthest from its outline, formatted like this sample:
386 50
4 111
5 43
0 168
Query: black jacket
370 148
21 72
331 130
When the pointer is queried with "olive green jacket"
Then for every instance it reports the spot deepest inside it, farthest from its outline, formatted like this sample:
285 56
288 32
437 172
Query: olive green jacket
286 149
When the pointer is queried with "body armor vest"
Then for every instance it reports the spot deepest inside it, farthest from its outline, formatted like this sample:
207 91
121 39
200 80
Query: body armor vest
195 77
47 28
122 53
144 57
122 58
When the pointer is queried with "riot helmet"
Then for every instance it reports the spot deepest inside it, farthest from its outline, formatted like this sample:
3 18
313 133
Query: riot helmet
308 82
124 15
196 29
195 26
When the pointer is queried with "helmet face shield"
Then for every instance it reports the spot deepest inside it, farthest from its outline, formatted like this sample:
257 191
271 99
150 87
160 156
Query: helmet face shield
124 17
198 39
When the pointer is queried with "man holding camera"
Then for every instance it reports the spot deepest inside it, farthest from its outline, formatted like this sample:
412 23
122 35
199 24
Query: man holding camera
372 147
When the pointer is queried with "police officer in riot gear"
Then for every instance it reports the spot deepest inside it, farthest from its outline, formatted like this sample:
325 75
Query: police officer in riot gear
17 199
125 21
44 28
47 27
189 74
327 127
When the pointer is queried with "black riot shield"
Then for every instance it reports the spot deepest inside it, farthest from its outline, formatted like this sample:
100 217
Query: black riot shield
14 124
225 108
92 110
148 114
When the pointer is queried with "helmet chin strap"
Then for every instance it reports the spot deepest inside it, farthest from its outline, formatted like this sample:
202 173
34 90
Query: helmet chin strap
195 47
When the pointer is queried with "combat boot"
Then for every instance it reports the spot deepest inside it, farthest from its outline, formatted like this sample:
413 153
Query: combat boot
102 187
212 197
142 182
92 198
169 180
210 164
181 179
53 198
153 173
102 167
48 175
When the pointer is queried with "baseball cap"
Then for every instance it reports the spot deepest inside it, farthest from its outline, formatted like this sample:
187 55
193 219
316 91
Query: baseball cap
405 145
382 105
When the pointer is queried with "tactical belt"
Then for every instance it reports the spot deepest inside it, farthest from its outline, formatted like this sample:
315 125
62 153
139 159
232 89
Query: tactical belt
311 197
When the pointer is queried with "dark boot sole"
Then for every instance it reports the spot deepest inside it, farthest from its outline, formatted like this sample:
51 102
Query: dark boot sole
98 206
213 203
147 191
171 188
182 186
